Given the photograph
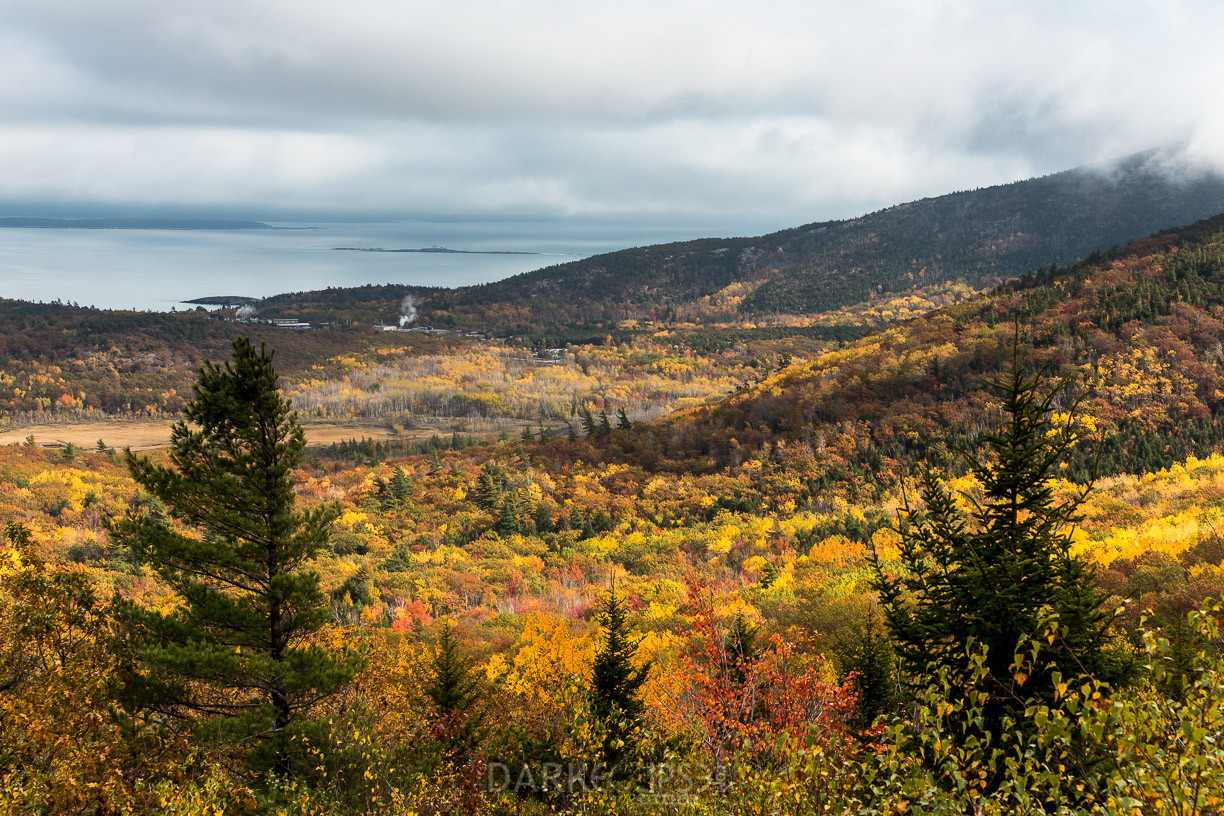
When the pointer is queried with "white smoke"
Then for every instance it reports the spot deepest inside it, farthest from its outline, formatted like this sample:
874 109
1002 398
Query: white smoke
246 312
409 312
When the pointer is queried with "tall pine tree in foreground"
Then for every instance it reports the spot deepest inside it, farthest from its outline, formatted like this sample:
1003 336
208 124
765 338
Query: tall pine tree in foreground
983 578
616 681
234 653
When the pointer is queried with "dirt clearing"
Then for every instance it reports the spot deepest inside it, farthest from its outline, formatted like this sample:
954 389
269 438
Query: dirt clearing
142 435
145 434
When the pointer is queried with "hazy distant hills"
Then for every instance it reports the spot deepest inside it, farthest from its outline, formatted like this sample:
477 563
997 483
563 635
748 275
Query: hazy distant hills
28 222
982 236
1138 331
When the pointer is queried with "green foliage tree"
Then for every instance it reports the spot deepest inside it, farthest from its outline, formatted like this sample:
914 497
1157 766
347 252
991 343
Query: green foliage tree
616 680
740 645
455 692
985 578
235 655
589 428
400 487
491 485
509 514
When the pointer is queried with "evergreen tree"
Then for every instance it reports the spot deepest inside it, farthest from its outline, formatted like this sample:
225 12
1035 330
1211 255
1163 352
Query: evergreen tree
868 654
490 485
509 515
400 487
570 434
381 490
233 655
605 424
588 422
543 521
984 578
615 682
455 693
741 647
622 420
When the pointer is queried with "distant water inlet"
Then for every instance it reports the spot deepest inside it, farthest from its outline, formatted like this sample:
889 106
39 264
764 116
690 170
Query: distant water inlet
160 269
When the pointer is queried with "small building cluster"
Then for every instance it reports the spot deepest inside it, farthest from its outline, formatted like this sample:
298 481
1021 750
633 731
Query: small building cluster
391 327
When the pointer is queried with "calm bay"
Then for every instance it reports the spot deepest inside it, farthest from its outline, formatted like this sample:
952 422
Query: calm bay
160 269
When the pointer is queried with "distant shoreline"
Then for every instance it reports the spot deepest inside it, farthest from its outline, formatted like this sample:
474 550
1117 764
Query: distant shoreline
441 250
22 222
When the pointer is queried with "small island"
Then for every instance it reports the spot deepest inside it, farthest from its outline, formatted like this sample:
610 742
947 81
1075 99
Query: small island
438 249
224 301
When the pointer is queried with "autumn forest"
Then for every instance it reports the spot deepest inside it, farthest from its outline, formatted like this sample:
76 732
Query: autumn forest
950 545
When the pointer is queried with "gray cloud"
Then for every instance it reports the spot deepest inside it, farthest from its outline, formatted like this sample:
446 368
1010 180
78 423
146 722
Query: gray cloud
734 115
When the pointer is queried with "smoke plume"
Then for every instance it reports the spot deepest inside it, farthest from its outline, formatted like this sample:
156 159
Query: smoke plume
409 312
247 312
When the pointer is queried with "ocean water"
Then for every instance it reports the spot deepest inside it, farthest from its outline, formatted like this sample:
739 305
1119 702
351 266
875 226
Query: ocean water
160 269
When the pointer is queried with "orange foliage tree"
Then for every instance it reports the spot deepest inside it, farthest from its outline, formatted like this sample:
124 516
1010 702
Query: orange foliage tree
741 700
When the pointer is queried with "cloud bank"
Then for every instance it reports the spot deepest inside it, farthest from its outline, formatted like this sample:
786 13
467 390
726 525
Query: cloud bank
736 116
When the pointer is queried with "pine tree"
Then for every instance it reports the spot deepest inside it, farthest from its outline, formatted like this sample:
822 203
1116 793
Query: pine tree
741 647
605 424
622 420
510 514
455 693
490 485
400 486
233 656
615 682
588 422
984 578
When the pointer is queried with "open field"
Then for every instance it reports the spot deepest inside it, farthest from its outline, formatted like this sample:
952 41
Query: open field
145 434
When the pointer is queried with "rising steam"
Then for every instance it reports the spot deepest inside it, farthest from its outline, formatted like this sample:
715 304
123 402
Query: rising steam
246 312
408 311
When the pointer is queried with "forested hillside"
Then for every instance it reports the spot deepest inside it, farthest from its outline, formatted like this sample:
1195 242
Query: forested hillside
641 568
982 236
1138 331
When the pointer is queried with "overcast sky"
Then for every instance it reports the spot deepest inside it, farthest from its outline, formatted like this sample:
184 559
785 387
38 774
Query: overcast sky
732 117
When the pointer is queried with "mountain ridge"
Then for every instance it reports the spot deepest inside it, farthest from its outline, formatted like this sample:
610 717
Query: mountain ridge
984 236
1138 331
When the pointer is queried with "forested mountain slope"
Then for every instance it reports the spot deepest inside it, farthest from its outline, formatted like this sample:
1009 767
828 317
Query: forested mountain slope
1138 331
983 236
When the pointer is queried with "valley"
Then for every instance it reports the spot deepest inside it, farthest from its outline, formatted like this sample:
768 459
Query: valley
642 511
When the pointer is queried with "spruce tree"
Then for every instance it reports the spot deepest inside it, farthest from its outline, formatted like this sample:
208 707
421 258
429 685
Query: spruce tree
589 427
490 485
622 420
234 654
401 488
509 514
615 683
454 691
740 645
983 577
